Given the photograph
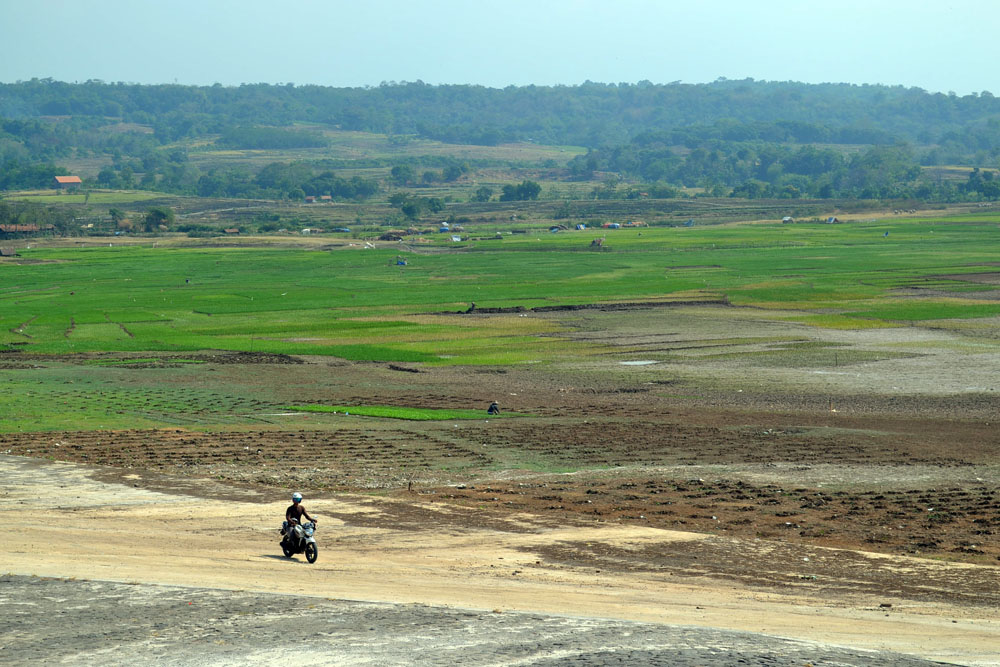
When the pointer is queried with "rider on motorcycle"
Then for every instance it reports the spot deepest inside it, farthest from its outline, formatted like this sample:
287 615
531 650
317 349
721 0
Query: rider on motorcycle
294 514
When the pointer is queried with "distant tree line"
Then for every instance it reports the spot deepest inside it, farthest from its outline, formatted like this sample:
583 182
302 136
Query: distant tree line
748 138
590 114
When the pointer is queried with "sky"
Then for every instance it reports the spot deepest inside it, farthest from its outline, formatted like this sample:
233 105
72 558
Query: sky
937 45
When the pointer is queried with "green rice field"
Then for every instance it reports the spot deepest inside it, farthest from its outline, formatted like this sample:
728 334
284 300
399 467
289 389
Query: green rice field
357 304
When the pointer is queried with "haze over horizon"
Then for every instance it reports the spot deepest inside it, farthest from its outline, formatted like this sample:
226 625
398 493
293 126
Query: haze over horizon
936 47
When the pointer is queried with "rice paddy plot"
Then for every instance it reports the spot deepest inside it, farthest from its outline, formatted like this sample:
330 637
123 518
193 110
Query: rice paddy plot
62 399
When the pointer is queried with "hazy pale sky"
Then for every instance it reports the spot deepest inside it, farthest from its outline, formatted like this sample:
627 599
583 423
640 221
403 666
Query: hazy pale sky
937 45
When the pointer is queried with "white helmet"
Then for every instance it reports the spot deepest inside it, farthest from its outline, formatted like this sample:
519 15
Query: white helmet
296 497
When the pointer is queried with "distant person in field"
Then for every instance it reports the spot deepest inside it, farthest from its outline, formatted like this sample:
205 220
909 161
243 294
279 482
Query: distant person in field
294 514
494 408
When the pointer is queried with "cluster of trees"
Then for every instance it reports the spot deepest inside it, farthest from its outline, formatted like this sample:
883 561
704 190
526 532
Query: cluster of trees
406 174
413 207
986 184
47 139
29 213
523 191
24 175
277 180
756 169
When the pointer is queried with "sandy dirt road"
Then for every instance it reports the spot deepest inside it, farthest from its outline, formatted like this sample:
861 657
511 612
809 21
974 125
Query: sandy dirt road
114 532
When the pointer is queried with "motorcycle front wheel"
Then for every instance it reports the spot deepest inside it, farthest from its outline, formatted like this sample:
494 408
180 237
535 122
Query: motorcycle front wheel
311 552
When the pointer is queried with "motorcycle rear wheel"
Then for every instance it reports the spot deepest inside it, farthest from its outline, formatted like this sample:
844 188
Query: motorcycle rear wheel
287 550
311 552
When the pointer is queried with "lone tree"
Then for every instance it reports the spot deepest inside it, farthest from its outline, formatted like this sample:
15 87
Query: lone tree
402 174
158 219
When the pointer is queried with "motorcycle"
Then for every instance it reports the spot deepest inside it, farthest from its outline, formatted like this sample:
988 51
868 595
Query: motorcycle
298 538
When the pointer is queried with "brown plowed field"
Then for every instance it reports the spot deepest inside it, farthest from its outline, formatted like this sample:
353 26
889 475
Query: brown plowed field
895 484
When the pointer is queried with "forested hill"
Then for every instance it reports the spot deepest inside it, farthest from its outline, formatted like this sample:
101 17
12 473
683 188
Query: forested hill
591 114
752 139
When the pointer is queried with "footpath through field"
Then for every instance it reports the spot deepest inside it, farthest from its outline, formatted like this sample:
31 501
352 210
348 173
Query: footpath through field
72 525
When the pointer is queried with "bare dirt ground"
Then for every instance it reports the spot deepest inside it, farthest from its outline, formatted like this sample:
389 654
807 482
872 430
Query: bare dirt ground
851 501
431 553
107 623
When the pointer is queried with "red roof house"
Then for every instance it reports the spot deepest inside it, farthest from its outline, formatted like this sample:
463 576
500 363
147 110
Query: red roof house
67 181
